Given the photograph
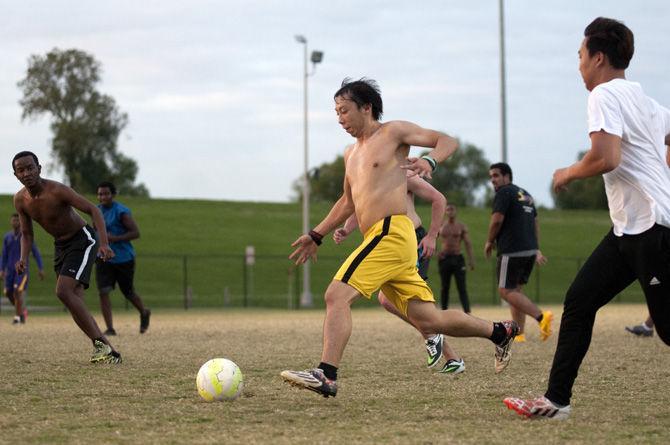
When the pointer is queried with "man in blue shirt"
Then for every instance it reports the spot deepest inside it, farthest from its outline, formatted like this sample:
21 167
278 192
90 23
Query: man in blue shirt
16 283
121 229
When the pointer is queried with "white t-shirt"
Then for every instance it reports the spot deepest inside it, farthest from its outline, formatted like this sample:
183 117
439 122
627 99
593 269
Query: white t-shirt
638 190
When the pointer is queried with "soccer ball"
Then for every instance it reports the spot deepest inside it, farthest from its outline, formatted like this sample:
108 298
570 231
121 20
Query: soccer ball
219 379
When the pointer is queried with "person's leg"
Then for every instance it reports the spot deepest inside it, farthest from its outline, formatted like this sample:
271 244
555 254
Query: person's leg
520 318
604 274
517 299
649 322
451 322
71 293
106 309
649 256
445 279
125 276
447 351
337 324
459 274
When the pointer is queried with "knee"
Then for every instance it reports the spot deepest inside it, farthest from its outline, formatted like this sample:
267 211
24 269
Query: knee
63 295
503 293
384 301
333 299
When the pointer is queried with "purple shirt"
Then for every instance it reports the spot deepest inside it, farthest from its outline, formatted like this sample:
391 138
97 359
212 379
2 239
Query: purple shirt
11 252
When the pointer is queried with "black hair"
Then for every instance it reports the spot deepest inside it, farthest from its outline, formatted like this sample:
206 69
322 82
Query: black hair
15 215
612 38
362 91
109 185
23 154
504 168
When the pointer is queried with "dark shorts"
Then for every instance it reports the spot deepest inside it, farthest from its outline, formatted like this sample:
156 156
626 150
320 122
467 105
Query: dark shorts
422 263
15 282
74 257
514 271
108 274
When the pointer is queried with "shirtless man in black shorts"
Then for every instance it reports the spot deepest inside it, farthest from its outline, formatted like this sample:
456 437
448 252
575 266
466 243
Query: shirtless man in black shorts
53 205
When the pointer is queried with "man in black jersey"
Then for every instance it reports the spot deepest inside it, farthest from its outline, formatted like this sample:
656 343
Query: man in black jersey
514 231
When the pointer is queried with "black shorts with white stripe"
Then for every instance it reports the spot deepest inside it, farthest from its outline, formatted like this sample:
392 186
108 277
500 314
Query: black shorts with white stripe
74 257
514 271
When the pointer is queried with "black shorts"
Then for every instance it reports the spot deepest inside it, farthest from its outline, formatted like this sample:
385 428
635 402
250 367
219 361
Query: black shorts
74 257
514 271
108 274
421 263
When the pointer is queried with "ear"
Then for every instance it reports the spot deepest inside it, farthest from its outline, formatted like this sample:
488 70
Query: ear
367 108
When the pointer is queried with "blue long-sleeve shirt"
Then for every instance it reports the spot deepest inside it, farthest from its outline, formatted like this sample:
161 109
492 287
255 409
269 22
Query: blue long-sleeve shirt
11 251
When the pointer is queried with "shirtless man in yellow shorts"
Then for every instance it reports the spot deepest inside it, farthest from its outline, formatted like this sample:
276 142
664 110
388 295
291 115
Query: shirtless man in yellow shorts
375 188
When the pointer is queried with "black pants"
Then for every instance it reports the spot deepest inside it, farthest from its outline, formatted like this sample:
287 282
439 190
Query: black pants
613 265
453 265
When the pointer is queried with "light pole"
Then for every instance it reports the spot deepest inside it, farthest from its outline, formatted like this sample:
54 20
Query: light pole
503 87
316 57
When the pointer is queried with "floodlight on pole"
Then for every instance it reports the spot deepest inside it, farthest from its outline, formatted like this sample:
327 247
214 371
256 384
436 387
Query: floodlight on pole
306 299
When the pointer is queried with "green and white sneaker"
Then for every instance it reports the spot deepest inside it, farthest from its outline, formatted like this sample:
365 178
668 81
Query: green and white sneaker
434 349
453 366
104 354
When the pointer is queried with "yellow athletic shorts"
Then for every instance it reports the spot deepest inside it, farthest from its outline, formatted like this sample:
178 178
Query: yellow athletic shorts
386 260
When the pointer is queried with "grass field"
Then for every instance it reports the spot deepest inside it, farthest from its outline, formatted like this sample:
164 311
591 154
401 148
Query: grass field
51 394
200 245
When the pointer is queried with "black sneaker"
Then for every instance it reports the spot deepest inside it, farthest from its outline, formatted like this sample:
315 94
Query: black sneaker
110 331
502 355
641 330
144 320
312 379
434 349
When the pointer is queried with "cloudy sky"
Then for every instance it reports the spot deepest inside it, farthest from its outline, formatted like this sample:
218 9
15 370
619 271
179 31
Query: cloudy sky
213 89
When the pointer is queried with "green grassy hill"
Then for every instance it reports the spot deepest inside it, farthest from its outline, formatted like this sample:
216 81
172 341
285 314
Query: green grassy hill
199 245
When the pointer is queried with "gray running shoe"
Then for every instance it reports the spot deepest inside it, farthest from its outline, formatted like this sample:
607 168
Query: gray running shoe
641 330
453 366
434 349
312 379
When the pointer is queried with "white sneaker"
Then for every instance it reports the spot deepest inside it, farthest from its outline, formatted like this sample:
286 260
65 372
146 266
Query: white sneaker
453 366
540 408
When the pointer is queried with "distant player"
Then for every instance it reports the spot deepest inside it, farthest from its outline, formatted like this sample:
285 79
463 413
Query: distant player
375 189
16 284
121 229
53 205
514 233
453 233
436 346
629 132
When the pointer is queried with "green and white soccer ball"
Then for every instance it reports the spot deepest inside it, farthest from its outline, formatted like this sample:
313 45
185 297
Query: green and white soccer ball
219 379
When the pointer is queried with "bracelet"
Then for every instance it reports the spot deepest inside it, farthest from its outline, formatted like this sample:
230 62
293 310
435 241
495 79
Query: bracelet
316 237
431 161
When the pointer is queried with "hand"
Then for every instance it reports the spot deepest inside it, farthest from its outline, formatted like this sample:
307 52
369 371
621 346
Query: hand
540 259
20 266
105 252
488 247
471 266
418 166
305 249
339 235
561 180
111 238
427 247
41 274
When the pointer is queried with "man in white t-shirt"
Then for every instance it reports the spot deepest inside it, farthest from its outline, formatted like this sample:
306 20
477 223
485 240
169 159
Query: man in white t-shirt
630 147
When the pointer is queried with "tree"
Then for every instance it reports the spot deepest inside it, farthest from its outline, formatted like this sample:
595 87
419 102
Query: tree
586 193
85 124
460 178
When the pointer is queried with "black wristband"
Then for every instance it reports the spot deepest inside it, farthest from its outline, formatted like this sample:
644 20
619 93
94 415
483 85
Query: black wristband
430 161
316 237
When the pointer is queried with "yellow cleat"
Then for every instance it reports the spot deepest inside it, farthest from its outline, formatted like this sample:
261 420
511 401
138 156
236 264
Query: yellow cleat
545 325
520 338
